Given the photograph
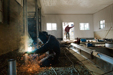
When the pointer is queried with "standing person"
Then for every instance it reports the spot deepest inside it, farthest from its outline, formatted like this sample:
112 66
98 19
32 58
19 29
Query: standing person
67 29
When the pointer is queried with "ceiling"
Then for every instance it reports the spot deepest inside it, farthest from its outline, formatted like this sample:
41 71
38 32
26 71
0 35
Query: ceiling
73 6
67 6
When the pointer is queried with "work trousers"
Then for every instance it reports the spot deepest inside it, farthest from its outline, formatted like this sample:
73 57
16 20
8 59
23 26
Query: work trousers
67 35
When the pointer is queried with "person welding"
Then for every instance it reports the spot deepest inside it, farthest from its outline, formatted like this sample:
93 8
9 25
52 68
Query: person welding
50 46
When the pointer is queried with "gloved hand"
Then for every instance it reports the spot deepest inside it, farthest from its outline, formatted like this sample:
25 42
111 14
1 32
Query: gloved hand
29 52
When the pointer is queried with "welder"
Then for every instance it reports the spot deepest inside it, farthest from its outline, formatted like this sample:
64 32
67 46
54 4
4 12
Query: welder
50 45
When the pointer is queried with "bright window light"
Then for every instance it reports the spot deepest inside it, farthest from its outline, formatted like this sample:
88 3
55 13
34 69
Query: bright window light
51 26
102 24
48 26
84 26
54 26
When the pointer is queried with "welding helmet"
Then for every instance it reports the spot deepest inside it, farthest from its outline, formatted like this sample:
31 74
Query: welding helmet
43 37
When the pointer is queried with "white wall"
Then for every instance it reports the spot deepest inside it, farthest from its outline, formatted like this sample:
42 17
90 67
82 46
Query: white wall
69 18
107 15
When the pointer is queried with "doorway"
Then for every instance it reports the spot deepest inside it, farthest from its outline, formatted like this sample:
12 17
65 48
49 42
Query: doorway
64 24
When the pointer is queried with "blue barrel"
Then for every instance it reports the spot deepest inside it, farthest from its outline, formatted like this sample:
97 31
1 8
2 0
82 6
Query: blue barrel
89 44
83 40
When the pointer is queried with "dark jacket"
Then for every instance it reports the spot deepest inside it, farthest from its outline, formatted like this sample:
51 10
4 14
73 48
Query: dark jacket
51 45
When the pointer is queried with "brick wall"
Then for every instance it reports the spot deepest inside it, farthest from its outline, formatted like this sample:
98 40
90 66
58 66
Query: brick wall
12 28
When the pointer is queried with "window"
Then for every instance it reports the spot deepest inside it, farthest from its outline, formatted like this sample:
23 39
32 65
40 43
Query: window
1 11
84 26
102 24
51 26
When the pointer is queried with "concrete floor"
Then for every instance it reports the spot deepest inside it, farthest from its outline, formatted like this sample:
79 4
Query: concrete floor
33 68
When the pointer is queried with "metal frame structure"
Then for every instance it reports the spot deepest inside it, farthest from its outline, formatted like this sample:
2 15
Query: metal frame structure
37 17
37 25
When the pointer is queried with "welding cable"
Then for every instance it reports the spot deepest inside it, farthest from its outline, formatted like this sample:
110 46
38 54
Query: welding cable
54 70
71 62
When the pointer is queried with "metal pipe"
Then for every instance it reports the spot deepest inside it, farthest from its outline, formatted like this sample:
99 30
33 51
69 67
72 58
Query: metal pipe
25 24
25 19
12 67
37 27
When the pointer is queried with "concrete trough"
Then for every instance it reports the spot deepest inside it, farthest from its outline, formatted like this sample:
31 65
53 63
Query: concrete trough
101 60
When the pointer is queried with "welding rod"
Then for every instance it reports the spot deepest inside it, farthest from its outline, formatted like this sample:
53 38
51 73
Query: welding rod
12 67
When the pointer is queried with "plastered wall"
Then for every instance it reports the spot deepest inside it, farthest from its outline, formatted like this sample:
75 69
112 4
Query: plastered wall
69 18
107 15
12 28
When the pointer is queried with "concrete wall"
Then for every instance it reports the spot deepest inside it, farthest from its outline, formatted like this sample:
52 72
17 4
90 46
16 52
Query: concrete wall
69 18
107 15
12 27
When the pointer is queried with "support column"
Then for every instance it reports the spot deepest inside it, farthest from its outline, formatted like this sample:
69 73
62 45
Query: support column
25 22
25 27
12 67
25 18
37 26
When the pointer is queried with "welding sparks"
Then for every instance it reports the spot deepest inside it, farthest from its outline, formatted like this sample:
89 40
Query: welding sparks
29 49
31 67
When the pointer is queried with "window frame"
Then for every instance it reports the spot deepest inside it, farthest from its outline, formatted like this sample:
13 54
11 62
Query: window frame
52 29
101 24
1 10
84 25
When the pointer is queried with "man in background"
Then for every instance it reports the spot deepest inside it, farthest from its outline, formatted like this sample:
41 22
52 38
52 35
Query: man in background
67 29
